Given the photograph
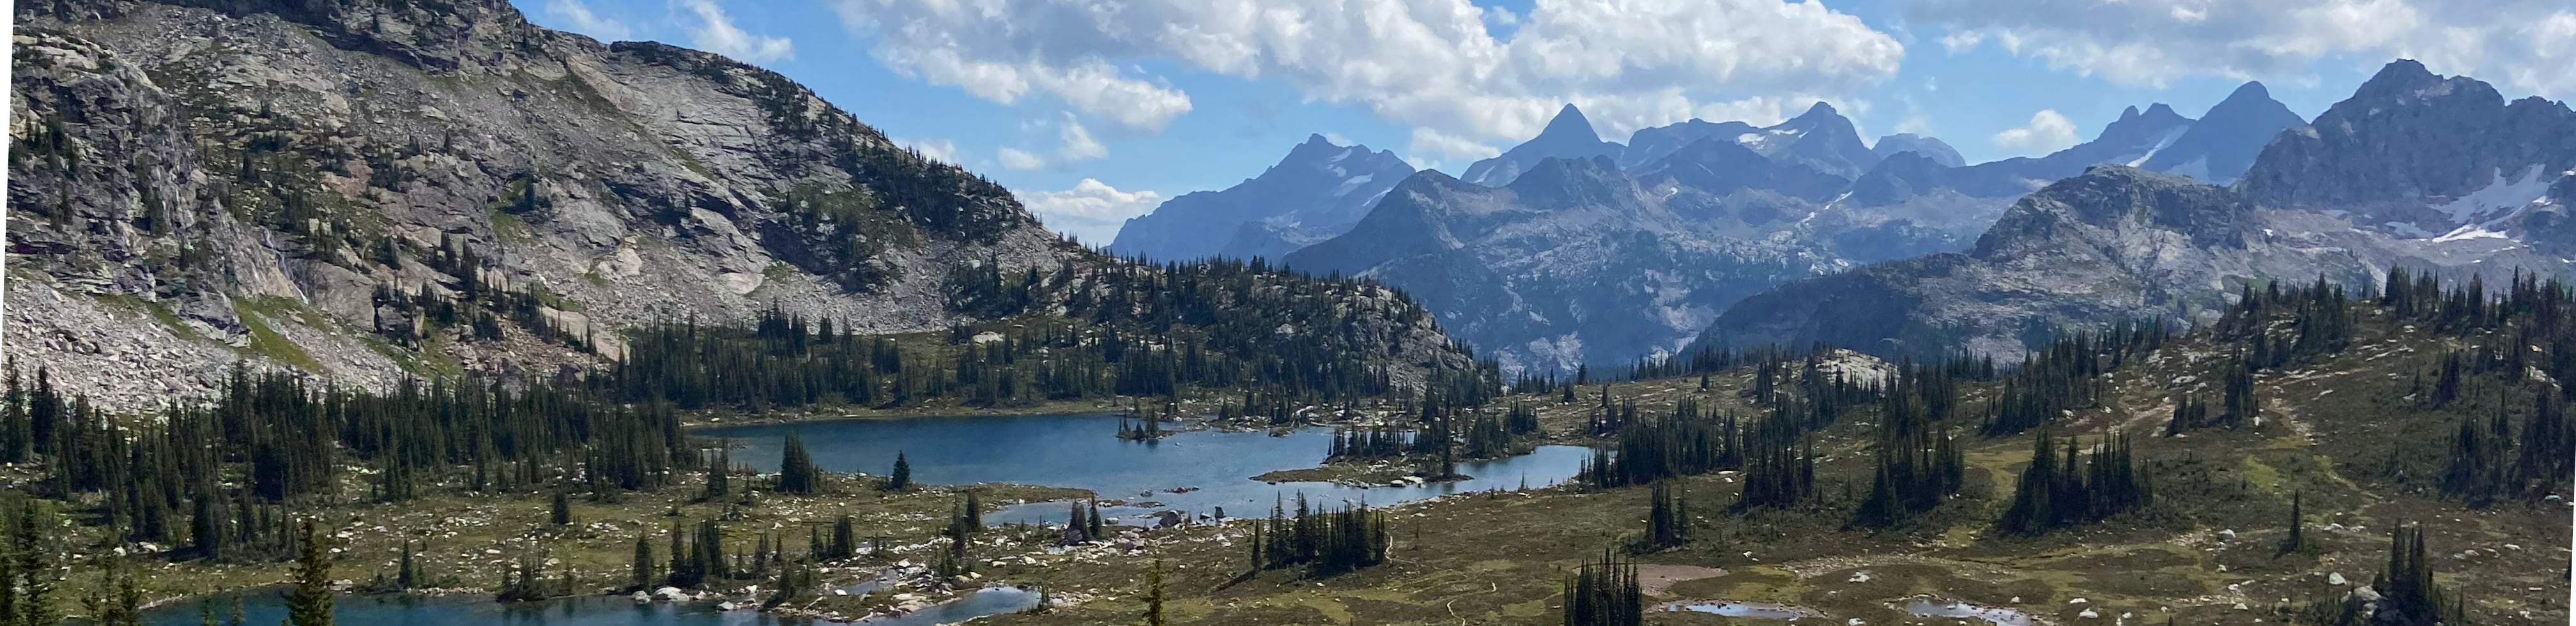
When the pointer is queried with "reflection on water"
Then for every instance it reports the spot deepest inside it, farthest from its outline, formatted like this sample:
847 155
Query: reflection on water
1081 452
476 610
1738 609
1922 607
1076 451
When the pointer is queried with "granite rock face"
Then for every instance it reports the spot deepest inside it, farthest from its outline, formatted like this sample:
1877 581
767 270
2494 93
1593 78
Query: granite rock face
203 182
1572 263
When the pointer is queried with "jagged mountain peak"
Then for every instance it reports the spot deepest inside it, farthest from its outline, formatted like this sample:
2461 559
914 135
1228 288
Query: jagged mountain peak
1317 190
2219 146
2399 76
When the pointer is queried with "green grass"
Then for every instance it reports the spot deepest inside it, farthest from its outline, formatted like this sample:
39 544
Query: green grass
156 311
265 341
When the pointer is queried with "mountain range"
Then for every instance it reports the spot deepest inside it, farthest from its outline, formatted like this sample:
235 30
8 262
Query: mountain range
1633 249
2437 174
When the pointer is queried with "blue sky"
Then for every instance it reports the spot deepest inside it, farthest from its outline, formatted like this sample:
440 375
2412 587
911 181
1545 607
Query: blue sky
1095 110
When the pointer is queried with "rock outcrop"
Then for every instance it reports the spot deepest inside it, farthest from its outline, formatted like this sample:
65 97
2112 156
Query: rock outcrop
203 182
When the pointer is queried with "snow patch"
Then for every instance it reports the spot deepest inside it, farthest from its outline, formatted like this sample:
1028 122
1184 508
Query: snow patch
2507 195
2161 143
1767 141
2471 231
1352 184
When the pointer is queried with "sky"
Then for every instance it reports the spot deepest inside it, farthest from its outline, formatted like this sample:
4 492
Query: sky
1093 111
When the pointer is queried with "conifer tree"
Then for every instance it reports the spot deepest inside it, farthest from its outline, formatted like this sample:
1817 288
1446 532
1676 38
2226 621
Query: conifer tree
844 538
796 470
1604 593
35 564
901 479
309 604
562 509
2298 538
1667 519
1154 595
643 570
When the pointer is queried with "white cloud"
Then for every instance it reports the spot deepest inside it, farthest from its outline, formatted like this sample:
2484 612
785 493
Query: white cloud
1091 211
937 149
1915 124
1078 145
1435 64
1428 142
715 32
580 19
1017 159
2526 44
2047 132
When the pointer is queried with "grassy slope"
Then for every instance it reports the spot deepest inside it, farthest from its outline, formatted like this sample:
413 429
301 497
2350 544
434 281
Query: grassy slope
2329 432
2341 431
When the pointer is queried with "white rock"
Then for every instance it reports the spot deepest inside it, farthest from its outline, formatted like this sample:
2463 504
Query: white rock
2077 601
2335 579
2088 614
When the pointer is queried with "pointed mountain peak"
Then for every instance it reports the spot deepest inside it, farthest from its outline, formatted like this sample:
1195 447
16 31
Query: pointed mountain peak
1318 140
1820 110
2130 113
2251 90
1569 122
2160 110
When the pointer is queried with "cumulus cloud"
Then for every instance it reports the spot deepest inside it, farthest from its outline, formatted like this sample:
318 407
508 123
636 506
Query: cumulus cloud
1428 143
941 150
2527 44
1436 64
1091 211
715 32
1017 159
2047 132
1077 146
578 18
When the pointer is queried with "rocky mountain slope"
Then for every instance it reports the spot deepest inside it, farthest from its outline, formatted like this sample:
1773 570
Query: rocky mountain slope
1571 263
2414 154
1314 193
199 183
2344 199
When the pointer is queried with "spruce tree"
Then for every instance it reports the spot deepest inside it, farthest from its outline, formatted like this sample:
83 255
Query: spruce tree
643 573
2298 539
796 470
309 604
1154 595
1604 593
901 479
35 564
